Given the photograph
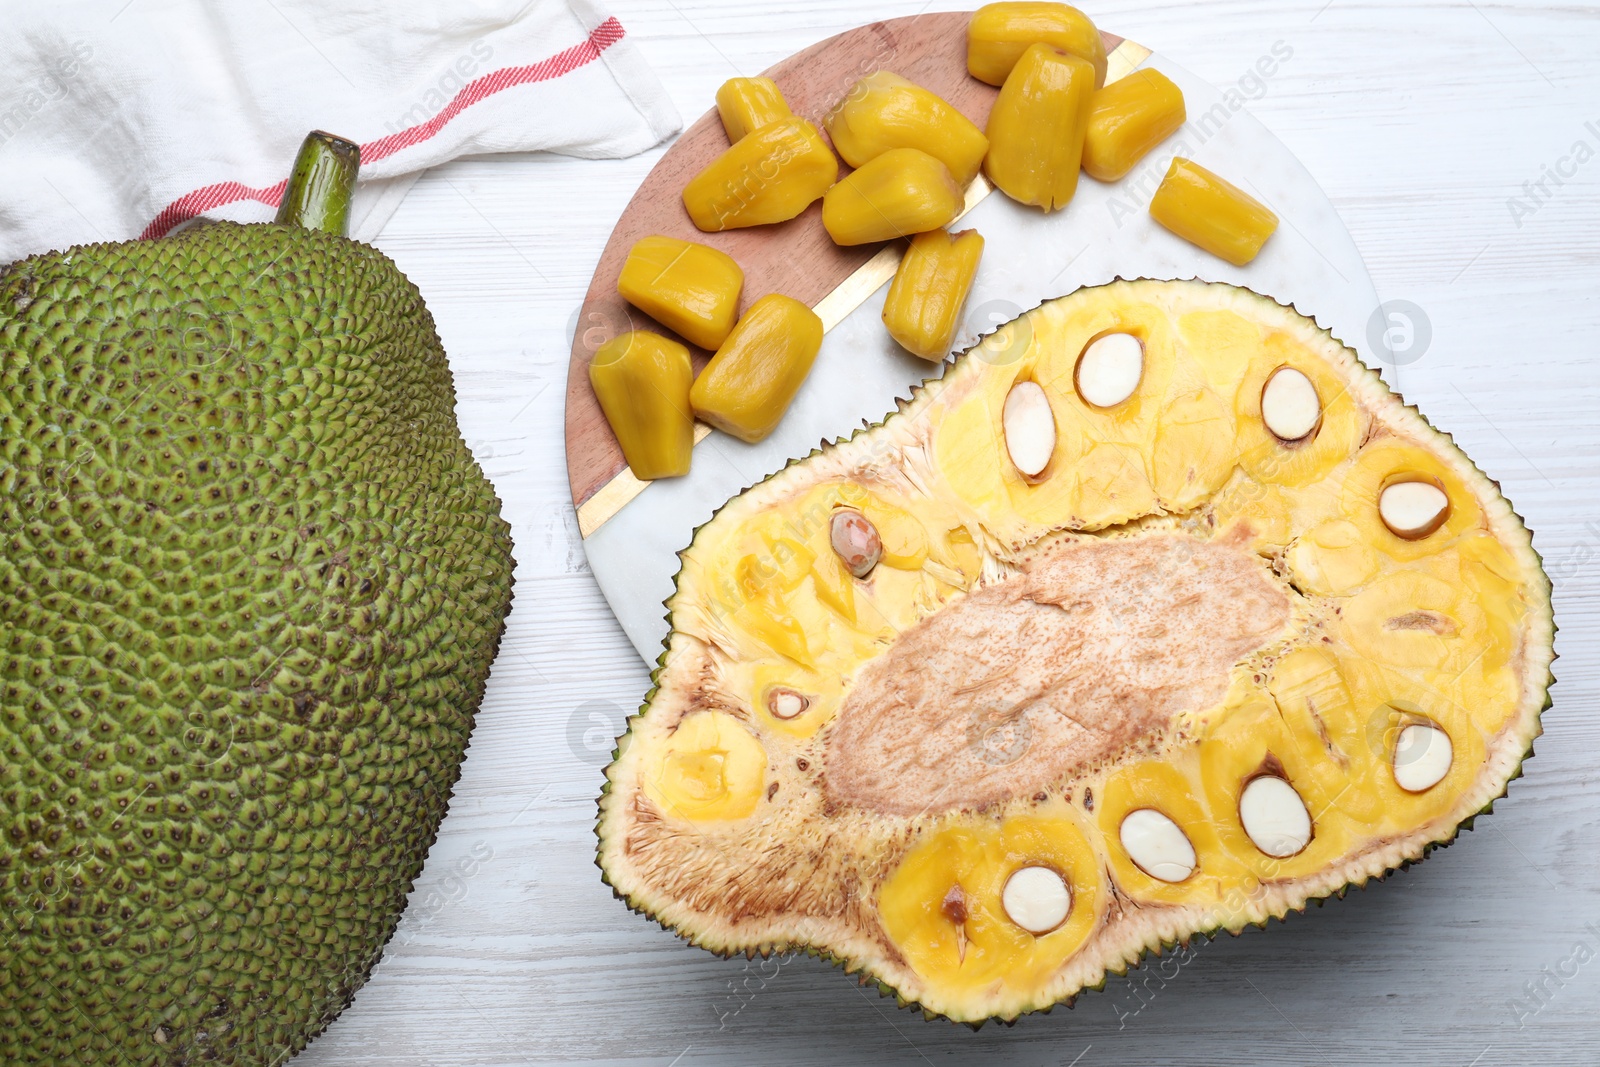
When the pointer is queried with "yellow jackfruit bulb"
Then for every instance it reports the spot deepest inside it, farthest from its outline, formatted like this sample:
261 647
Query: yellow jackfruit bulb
901 192
689 288
710 768
746 104
1127 119
885 111
999 33
1212 213
769 175
1037 127
929 290
748 384
642 380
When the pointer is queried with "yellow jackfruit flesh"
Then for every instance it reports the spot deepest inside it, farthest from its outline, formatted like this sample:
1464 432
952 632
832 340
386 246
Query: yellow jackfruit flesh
930 287
1127 119
884 111
642 381
746 104
771 174
1212 213
748 384
999 33
898 193
1079 653
689 288
1037 126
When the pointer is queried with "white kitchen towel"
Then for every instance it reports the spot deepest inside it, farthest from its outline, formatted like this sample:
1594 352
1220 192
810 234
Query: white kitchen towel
127 118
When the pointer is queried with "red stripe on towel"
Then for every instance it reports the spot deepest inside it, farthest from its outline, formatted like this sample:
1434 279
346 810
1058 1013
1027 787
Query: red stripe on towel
210 197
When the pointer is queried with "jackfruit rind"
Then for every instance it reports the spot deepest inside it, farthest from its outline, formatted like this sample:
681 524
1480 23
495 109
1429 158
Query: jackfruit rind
1250 681
251 586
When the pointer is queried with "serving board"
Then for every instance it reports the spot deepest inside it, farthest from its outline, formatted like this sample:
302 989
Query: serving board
633 530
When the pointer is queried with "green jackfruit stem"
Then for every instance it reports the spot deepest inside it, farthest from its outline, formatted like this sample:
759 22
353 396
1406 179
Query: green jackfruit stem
321 184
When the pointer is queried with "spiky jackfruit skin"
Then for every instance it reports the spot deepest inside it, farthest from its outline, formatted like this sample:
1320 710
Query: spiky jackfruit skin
251 585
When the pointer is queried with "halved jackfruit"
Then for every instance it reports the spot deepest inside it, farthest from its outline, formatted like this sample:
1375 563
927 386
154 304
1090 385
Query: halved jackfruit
1081 654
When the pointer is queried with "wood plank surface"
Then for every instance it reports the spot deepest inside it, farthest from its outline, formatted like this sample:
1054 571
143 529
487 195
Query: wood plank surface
1422 121
795 257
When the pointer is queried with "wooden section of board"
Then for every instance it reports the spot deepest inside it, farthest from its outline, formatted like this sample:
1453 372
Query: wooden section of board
794 257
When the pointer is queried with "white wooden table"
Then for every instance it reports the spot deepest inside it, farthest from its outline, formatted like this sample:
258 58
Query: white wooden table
1422 123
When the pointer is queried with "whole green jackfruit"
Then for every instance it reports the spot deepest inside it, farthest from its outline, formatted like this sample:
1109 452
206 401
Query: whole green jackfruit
251 585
